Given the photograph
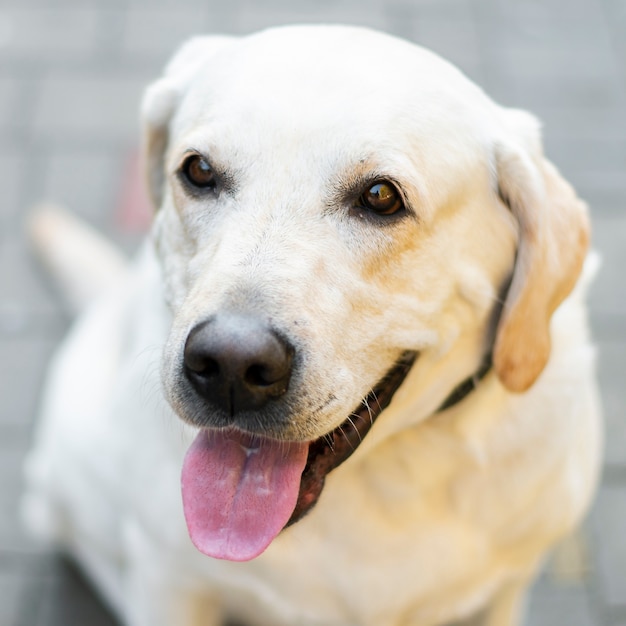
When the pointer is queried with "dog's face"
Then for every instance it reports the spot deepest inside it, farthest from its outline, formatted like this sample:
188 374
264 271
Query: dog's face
331 200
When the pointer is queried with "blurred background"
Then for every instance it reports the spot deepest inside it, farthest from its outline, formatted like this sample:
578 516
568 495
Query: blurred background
71 77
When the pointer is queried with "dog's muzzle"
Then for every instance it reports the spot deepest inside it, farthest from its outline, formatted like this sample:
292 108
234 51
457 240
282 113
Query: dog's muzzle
240 485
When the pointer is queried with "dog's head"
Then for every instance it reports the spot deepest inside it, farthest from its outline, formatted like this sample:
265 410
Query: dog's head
332 202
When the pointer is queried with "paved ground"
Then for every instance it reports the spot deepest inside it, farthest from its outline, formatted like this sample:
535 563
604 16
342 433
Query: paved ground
70 79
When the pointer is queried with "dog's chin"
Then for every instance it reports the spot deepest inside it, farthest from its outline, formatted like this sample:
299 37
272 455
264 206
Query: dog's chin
241 489
331 450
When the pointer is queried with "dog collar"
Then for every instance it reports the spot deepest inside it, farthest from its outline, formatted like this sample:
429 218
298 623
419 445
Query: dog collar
462 390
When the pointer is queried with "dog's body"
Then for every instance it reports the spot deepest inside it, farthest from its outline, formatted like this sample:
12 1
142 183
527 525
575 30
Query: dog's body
347 231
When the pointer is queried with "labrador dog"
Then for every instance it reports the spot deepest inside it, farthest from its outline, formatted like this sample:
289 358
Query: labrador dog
358 335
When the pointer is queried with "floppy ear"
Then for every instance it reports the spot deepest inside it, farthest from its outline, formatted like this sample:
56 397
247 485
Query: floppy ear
553 241
161 99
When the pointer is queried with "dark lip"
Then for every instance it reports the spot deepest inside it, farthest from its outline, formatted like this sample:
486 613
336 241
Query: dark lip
331 450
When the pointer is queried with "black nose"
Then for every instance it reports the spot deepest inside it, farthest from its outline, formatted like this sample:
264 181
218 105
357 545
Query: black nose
237 362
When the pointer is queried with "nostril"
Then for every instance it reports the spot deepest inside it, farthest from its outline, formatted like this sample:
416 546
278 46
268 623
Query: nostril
257 376
261 376
203 366
198 359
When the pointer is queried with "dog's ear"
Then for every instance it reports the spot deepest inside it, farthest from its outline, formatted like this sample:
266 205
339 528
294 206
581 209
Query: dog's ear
553 241
161 100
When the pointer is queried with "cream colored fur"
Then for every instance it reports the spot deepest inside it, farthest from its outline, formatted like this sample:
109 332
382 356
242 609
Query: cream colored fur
438 516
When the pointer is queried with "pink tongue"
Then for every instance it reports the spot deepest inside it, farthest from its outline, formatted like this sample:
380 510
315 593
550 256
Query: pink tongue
239 491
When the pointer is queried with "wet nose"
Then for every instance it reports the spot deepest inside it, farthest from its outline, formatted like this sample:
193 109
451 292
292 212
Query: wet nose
237 362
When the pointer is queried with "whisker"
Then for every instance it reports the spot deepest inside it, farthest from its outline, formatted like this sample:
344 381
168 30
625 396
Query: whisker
356 430
329 440
366 404
374 396
346 437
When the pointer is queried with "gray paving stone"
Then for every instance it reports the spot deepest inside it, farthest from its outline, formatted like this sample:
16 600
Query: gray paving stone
22 367
109 35
616 18
557 13
612 366
552 604
87 108
610 548
26 295
552 32
157 32
215 6
527 45
253 16
538 58
603 200
608 291
59 31
87 183
537 91
439 9
11 168
24 92
596 123
455 39
11 590
588 160
602 190
68 600
8 99
13 537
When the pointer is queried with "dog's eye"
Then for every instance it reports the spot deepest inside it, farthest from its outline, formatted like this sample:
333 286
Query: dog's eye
198 172
382 198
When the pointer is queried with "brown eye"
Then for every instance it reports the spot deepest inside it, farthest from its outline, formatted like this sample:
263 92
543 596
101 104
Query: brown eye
382 198
199 173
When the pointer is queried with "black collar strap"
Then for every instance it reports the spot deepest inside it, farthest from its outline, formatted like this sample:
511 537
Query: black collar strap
462 390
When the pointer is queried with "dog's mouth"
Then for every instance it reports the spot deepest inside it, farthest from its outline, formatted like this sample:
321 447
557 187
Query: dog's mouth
240 490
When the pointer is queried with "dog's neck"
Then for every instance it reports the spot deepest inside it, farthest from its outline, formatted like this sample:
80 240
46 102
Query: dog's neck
463 389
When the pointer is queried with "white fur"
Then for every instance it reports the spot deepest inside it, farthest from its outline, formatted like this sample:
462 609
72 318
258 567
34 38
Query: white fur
436 516
84 263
